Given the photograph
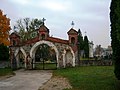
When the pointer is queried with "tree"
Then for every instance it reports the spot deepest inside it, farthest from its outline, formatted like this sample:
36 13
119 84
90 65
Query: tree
86 47
98 50
4 52
26 27
43 52
115 35
4 29
80 40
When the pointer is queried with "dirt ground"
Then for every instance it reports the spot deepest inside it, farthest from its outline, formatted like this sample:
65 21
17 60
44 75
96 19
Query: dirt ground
25 80
56 83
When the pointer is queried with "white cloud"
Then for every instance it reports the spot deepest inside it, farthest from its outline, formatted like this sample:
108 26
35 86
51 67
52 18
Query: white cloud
51 5
23 2
89 15
55 6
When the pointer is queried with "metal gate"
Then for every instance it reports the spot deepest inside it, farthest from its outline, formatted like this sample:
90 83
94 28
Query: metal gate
45 58
45 65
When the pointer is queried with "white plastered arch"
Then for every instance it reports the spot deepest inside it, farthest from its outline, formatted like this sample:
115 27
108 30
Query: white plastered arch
24 53
64 59
35 46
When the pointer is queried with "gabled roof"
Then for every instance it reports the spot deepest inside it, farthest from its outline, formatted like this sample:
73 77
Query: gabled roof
14 34
72 31
43 28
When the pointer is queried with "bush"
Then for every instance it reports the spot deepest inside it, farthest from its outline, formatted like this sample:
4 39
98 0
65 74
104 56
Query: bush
4 52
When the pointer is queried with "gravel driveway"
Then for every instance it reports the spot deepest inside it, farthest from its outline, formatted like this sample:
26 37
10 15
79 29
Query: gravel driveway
25 80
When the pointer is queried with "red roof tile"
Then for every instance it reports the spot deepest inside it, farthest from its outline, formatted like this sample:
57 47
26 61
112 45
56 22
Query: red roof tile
31 41
53 39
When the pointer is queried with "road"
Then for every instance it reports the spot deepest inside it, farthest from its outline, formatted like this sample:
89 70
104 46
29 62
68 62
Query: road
25 80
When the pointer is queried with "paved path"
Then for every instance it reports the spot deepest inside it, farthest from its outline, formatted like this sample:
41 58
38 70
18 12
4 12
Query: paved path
25 80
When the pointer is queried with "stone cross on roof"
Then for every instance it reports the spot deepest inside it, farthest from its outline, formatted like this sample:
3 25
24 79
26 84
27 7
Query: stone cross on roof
72 24
43 20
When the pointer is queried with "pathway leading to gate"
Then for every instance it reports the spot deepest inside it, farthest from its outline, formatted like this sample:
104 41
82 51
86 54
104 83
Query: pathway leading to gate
26 80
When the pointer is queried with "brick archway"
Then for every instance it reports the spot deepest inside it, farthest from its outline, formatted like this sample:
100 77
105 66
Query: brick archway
65 50
23 52
35 47
64 56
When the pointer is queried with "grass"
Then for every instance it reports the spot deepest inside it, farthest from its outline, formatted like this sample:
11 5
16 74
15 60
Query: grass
87 58
6 71
90 77
46 66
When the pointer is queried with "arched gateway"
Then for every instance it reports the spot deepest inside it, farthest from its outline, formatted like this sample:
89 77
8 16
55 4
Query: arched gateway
36 45
66 51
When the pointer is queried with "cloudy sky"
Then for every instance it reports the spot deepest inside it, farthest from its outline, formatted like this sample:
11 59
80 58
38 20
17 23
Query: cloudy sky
91 16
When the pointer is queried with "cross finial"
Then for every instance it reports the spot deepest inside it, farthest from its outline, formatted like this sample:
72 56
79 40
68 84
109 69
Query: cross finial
43 20
14 28
72 24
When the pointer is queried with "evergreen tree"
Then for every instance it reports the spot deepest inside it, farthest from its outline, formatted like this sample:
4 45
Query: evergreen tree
86 47
115 34
80 40
4 52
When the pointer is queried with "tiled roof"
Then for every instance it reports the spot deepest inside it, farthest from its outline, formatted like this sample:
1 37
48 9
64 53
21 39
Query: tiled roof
53 39
31 41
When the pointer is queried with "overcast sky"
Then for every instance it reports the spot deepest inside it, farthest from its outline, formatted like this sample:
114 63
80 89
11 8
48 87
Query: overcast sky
91 16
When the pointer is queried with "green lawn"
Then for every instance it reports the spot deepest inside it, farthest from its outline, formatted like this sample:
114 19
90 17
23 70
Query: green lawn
5 71
90 77
46 66
87 58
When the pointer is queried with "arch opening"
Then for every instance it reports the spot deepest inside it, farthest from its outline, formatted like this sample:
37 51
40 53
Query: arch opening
43 36
20 56
72 40
39 54
68 57
45 57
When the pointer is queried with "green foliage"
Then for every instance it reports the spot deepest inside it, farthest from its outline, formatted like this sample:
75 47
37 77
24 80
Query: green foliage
27 28
35 24
4 52
90 78
86 47
80 40
43 52
45 57
115 34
